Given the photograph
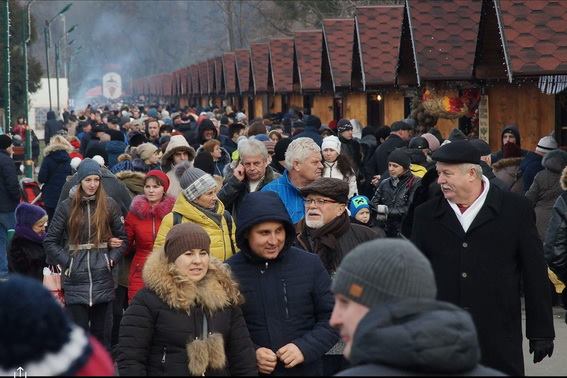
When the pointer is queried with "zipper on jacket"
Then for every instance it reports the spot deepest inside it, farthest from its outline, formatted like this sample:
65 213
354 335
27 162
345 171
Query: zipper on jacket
265 268
284 284
154 227
163 355
223 240
70 267
89 256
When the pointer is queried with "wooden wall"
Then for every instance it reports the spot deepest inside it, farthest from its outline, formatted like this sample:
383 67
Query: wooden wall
296 101
204 101
276 101
183 102
258 106
393 107
532 111
323 108
356 107
244 105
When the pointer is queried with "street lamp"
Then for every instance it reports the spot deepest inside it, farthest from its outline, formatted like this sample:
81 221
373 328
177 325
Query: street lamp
57 46
47 38
28 162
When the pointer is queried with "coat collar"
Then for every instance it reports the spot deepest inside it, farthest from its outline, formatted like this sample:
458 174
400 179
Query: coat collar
490 210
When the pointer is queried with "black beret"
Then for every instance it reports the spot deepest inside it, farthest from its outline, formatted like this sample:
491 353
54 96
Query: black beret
457 152
333 188
481 146
400 125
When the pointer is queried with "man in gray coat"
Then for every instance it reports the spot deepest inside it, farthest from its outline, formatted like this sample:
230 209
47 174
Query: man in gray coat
387 315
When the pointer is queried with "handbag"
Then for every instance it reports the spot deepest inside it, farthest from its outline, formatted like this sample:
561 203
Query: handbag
52 281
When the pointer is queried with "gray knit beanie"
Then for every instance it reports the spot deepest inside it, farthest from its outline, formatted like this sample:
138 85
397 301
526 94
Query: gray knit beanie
88 167
385 270
195 182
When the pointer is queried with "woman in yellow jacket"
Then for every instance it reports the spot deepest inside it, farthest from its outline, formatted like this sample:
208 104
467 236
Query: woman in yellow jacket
198 203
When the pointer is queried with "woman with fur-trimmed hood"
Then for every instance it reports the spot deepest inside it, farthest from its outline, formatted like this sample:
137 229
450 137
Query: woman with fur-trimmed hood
187 319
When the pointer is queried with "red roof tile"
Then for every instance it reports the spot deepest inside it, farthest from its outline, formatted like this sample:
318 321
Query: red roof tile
218 75
281 58
260 56
195 79
339 38
309 52
536 35
229 71
243 70
379 31
204 77
445 35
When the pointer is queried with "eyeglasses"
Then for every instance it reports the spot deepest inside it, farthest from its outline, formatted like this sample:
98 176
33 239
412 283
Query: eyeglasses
318 202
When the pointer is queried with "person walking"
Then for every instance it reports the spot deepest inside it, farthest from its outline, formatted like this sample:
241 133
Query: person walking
142 224
86 238
9 198
186 321
479 240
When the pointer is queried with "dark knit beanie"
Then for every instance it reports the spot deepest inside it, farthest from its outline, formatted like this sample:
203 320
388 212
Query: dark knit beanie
401 157
88 167
28 214
184 237
343 125
39 337
5 141
385 270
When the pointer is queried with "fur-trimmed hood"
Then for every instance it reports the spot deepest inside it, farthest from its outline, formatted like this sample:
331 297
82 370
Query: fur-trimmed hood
133 180
142 209
505 163
216 291
57 147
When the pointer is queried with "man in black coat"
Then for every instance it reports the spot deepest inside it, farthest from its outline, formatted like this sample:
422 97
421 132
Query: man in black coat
482 242
9 197
287 291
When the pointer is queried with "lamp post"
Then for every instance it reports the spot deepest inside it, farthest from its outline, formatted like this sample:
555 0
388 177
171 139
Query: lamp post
77 51
5 13
28 162
47 38
57 51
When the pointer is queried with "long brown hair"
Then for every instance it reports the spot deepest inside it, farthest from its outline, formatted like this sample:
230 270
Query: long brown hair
100 218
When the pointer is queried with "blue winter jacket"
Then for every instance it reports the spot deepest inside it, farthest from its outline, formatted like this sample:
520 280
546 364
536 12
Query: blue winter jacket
287 299
530 166
114 148
290 196
55 168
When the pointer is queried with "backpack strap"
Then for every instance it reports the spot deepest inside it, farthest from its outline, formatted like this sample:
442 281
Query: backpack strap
228 219
176 218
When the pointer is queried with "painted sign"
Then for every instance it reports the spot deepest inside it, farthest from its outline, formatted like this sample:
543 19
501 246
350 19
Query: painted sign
112 85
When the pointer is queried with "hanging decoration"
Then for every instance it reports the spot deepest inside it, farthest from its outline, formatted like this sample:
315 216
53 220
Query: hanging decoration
444 104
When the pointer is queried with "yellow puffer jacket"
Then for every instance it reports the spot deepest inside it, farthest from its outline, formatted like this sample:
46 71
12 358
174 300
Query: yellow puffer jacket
221 245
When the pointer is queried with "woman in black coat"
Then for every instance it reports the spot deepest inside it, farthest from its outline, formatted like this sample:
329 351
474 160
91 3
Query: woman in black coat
187 319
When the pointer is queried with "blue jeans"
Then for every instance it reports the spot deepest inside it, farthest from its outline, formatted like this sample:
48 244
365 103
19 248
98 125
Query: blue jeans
7 221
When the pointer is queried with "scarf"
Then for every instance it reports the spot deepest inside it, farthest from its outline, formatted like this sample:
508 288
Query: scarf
29 234
323 241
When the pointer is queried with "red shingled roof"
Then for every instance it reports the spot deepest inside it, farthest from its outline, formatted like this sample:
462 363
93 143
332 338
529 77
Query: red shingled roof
229 71
339 38
195 79
309 52
445 36
243 70
379 30
218 75
260 56
281 59
536 35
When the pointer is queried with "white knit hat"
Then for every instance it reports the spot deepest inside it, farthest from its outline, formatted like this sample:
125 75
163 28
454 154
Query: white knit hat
546 144
331 142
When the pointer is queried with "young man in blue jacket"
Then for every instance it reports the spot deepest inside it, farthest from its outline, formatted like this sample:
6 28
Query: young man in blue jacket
288 302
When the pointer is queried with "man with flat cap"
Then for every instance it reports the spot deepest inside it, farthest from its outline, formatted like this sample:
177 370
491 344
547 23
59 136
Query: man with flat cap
482 242
327 231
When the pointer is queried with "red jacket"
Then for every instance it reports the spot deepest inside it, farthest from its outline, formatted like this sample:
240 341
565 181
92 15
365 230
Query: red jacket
142 224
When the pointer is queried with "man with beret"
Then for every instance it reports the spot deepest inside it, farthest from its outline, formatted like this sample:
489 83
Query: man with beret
9 197
482 242
386 312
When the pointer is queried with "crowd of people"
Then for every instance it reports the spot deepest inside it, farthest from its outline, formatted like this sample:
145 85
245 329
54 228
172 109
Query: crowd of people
201 242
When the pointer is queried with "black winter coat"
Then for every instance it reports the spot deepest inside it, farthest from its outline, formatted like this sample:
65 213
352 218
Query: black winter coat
87 278
398 198
55 168
9 186
353 150
378 163
26 257
481 270
555 246
161 333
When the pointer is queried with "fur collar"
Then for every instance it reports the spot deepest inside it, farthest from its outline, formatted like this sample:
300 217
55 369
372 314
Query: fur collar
57 147
216 291
142 209
505 163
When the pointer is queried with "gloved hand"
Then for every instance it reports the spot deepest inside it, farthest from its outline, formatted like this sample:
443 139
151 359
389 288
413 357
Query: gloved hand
540 348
